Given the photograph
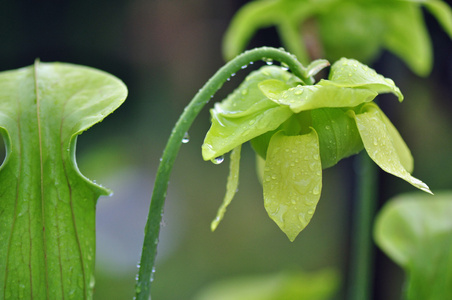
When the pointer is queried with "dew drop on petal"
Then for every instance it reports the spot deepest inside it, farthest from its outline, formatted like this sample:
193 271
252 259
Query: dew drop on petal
316 190
218 160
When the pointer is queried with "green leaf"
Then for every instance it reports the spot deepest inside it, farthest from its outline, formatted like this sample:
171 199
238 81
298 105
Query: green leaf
338 136
320 285
442 12
231 186
379 144
358 29
406 35
47 208
286 15
245 114
415 231
292 181
351 29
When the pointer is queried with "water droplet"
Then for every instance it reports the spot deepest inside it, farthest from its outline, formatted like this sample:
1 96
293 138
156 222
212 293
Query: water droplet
268 61
152 274
284 66
316 190
316 156
327 127
311 211
186 138
218 160
302 218
298 92
244 67
244 92
274 210
251 122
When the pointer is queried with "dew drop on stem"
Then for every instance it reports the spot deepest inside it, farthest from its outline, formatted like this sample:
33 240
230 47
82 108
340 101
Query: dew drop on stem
268 61
284 66
186 138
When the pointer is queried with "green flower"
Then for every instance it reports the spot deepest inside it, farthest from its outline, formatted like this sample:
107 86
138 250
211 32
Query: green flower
297 130
353 28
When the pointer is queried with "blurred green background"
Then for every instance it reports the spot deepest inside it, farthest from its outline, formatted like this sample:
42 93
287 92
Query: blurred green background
165 51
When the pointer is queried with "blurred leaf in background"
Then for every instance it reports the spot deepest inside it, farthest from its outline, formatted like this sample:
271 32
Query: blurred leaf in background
332 29
415 231
320 285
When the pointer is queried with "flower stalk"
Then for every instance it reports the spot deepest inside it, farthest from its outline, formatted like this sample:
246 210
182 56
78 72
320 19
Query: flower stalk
152 228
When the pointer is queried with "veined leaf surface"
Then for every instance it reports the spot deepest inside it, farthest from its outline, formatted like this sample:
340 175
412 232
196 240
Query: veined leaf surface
47 208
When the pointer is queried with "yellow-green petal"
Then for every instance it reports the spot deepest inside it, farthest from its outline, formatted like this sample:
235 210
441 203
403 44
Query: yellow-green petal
260 165
353 74
380 146
302 98
245 114
231 186
292 181
404 153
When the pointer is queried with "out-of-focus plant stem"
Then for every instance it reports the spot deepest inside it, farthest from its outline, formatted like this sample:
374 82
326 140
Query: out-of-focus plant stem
361 256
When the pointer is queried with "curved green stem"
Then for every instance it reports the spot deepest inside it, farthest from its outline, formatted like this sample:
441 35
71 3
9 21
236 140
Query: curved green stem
152 229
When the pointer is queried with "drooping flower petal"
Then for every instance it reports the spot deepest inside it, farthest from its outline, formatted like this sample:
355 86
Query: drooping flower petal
302 98
351 84
404 153
338 136
231 186
379 144
292 181
245 114
351 73
260 166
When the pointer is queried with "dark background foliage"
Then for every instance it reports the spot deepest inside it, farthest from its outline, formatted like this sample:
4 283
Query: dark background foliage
164 51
